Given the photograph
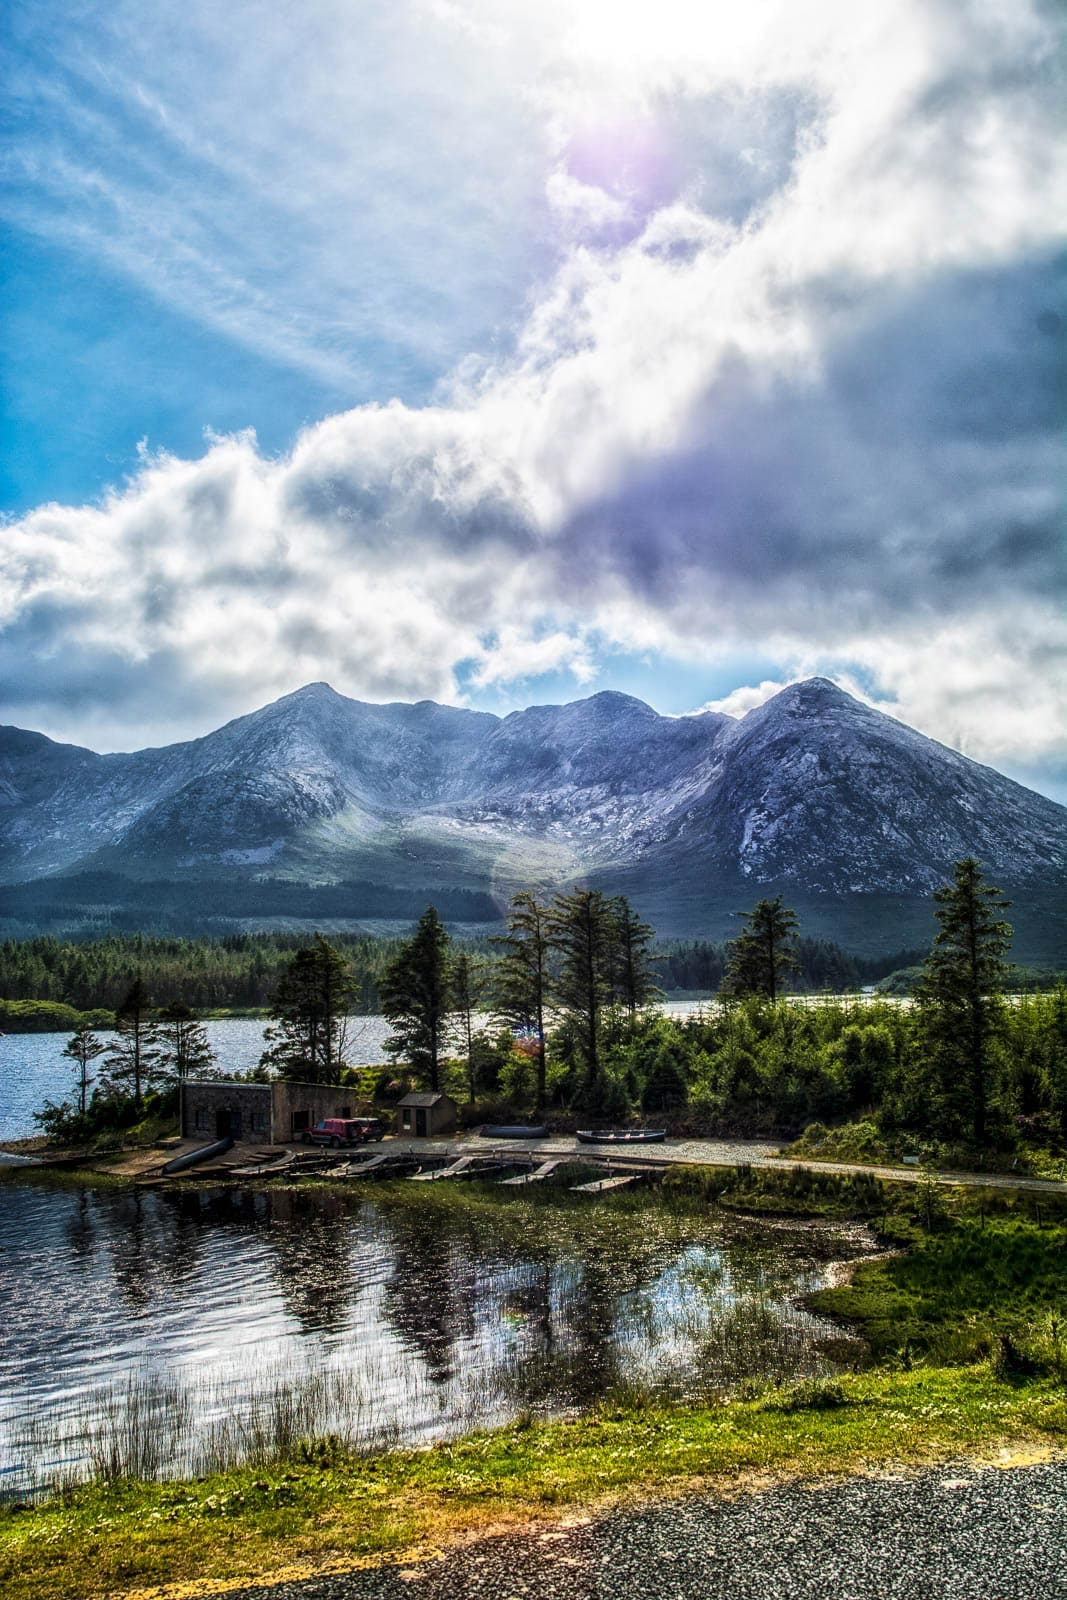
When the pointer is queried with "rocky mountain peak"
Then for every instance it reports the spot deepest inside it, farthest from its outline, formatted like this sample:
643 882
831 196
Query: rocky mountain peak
813 789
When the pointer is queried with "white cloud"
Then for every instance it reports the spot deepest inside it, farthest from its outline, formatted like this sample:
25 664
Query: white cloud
512 656
818 422
584 208
745 698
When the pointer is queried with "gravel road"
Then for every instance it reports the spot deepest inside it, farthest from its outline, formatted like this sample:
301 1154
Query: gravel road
957 1532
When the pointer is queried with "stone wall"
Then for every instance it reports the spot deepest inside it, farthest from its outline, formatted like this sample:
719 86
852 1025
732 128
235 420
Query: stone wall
210 1110
261 1113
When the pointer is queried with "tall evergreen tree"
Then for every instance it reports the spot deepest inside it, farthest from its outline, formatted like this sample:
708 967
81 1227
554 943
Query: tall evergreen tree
467 982
416 991
763 951
82 1048
184 1048
631 941
523 987
581 930
959 994
308 1032
132 1059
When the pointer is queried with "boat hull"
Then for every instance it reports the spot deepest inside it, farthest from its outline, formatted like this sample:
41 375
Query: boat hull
514 1132
621 1136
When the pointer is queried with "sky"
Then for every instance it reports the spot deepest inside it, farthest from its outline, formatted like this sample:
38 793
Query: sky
497 352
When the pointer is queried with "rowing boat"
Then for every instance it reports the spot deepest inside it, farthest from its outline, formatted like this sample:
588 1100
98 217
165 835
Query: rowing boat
514 1131
621 1135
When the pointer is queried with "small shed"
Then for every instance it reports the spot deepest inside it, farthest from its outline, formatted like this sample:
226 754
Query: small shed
426 1114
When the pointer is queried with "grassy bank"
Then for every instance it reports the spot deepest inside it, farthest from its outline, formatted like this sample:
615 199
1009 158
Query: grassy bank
330 1511
982 1289
864 1143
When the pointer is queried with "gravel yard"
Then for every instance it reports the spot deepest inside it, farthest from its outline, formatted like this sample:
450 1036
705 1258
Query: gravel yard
955 1532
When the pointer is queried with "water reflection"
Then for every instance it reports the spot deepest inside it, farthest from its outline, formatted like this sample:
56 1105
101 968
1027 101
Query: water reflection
432 1290
312 1261
232 1320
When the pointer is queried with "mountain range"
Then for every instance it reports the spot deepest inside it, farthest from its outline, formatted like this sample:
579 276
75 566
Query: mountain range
323 807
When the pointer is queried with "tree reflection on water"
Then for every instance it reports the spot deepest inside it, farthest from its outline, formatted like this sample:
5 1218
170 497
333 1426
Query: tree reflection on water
386 1315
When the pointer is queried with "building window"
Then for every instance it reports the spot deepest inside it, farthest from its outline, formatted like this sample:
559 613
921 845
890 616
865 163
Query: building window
407 1119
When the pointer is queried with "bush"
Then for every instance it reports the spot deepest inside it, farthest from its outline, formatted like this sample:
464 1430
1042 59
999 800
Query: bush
49 1016
494 1110
808 1394
107 1116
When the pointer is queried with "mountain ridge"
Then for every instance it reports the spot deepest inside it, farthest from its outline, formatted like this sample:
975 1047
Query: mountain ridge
812 790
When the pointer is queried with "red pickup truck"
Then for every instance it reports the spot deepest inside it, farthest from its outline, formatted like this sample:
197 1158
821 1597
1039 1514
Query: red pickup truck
336 1131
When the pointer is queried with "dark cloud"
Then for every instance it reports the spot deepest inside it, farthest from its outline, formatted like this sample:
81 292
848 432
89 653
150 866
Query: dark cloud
923 466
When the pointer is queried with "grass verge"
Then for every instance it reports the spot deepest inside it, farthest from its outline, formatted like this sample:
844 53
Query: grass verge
981 1288
329 1511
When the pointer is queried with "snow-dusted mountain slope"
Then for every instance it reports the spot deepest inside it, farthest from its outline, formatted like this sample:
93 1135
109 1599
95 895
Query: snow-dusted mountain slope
813 788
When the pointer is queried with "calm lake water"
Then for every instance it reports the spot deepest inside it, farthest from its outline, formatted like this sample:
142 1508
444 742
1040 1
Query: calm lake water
32 1068
190 1327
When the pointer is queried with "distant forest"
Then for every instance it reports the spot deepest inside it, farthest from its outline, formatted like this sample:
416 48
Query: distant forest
242 970
107 902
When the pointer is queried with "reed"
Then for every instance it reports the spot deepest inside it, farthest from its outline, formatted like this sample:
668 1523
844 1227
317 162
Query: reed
699 1338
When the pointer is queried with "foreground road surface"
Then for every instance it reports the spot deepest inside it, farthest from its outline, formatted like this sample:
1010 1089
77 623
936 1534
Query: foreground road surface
957 1532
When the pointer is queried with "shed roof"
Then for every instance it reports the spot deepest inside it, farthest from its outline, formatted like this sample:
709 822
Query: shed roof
422 1101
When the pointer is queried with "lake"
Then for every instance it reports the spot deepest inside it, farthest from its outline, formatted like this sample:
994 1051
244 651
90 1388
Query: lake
169 1331
33 1070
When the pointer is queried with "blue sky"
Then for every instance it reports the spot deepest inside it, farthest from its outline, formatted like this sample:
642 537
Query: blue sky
497 352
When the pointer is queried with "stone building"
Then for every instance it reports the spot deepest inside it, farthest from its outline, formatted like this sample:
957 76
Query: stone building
260 1113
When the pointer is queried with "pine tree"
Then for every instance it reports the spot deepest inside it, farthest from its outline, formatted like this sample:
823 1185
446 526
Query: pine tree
631 940
416 997
467 981
132 1059
581 930
523 984
763 952
306 1041
82 1048
959 994
184 1048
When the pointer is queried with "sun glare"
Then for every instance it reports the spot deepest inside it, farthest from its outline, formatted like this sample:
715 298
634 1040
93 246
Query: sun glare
634 37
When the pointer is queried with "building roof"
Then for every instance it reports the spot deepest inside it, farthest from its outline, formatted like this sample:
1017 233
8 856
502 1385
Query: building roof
422 1101
223 1083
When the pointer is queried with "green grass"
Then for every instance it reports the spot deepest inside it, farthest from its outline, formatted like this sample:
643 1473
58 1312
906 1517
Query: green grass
771 1191
851 1142
330 1510
64 1177
864 1143
961 1292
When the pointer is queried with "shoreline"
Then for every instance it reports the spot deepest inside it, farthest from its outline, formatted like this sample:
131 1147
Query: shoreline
335 1513
319 1508
139 1162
